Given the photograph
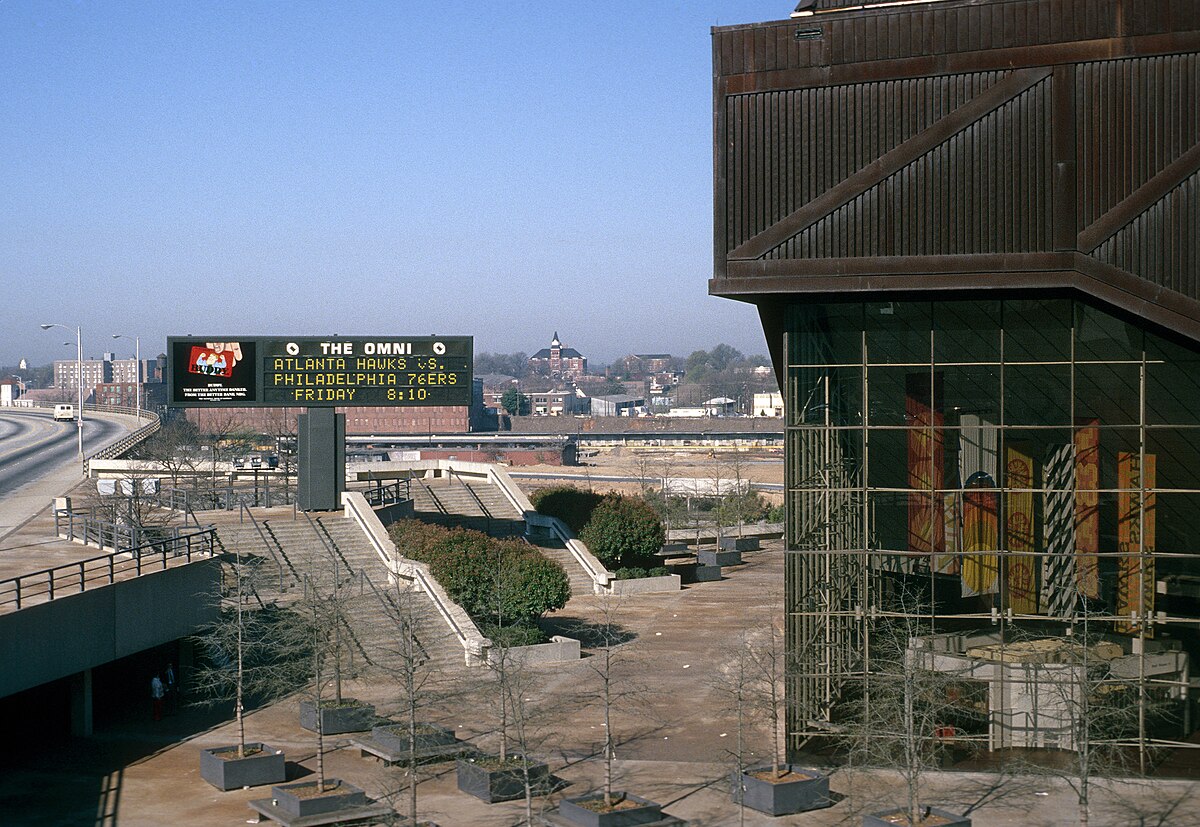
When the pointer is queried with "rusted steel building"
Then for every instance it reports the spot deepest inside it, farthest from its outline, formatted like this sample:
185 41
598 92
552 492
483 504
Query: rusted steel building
972 231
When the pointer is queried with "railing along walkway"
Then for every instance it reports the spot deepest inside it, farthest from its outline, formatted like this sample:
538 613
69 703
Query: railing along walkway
78 527
105 569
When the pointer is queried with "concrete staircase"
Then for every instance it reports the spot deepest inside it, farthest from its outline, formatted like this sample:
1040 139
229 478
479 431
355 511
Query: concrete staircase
455 502
483 507
581 584
372 607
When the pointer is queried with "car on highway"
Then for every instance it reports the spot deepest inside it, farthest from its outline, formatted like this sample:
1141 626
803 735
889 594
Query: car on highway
64 412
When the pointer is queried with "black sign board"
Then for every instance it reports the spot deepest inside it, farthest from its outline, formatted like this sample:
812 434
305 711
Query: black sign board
309 371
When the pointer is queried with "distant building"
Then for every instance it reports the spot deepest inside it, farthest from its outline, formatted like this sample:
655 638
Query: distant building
720 406
687 413
768 404
654 362
620 405
10 390
558 362
124 394
95 372
103 371
554 403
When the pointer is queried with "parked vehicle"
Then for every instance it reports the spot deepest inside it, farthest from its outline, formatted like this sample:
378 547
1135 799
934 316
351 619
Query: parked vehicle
64 412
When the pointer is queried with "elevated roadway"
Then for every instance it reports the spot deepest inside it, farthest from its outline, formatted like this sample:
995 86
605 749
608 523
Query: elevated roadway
39 458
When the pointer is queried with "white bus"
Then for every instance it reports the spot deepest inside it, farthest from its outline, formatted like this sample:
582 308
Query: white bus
64 412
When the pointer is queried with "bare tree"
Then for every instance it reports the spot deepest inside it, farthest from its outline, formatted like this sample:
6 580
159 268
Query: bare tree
615 689
1092 710
171 448
225 437
900 716
522 729
248 651
129 505
733 683
324 632
419 686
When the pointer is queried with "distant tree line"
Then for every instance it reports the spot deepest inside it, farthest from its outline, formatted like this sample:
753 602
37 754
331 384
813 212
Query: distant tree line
41 376
722 363
508 364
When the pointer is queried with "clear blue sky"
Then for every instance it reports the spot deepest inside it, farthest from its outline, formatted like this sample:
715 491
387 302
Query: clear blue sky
502 170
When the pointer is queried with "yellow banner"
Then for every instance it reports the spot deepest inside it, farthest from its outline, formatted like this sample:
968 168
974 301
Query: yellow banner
981 523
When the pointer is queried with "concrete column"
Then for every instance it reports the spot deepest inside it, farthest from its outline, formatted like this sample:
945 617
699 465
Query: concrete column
81 703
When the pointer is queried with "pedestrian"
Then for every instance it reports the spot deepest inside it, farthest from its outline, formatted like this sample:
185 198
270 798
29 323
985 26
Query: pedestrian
172 689
157 691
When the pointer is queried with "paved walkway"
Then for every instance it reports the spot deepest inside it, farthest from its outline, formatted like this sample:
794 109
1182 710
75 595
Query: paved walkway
674 739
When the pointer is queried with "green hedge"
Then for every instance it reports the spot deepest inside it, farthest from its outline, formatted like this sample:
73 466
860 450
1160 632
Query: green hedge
572 505
497 582
624 532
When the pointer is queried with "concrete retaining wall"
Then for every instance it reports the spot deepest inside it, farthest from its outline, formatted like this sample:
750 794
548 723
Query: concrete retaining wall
647 585
557 650
81 631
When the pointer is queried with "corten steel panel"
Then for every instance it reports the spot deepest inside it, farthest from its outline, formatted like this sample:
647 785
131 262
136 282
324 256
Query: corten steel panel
964 145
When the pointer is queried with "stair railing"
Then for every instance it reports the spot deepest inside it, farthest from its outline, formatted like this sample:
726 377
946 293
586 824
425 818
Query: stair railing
432 496
327 541
475 645
275 558
474 495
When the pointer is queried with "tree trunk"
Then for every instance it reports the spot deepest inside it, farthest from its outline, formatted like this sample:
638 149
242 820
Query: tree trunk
239 710
608 737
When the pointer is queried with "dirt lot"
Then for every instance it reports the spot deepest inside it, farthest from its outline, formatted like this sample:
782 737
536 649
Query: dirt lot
651 463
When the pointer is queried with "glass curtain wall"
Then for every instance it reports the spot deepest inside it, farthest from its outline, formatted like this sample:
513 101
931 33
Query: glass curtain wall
1014 484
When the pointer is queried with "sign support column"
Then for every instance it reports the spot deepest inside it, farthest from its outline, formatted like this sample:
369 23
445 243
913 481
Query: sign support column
321 442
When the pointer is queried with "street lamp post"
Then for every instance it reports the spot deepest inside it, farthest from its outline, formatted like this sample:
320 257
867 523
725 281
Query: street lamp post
78 382
137 357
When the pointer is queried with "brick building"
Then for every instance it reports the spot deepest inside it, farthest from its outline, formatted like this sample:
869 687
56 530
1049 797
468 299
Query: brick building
558 361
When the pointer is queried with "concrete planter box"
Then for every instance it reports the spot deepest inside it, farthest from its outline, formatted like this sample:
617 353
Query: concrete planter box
557 650
351 716
221 767
394 737
338 795
645 812
739 544
647 585
674 550
694 573
946 819
505 783
804 790
708 557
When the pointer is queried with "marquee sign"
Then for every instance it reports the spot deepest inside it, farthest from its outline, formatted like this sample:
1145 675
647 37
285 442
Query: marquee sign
309 371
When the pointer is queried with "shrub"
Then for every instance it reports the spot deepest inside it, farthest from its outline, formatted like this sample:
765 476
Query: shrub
777 514
741 508
572 505
636 573
624 531
497 582
508 636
